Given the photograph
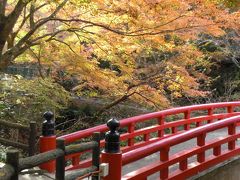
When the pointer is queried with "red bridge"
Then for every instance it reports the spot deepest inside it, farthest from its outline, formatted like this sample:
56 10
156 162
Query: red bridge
163 131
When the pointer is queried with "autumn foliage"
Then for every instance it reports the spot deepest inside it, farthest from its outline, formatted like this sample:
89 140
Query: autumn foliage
144 50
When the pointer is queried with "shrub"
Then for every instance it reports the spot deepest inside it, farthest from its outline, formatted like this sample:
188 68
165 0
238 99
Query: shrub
24 100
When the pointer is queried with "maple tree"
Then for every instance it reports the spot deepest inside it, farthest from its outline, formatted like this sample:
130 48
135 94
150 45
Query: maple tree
145 45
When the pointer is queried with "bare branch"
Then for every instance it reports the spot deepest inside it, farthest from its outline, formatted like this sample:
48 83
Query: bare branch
160 25
14 15
31 19
40 23
23 49
38 57
169 30
53 34
26 17
89 22
144 97
58 40
107 27
114 103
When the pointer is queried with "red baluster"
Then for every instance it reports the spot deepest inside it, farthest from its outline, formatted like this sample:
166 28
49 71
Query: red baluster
183 165
230 109
131 128
187 116
232 131
164 156
161 122
210 113
174 130
217 151
146 137
201 142
198 124
75 160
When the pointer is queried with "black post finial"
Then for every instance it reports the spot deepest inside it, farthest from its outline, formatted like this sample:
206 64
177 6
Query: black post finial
112 137
48 125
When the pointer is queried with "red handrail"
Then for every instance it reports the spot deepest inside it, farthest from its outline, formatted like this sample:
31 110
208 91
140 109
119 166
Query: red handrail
164 145
136 119
161 125
139 153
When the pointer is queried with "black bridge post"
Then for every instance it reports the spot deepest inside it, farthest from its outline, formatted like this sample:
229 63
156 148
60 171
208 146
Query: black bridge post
112 137
48 125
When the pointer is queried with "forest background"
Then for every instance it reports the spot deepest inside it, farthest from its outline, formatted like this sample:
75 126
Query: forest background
89 60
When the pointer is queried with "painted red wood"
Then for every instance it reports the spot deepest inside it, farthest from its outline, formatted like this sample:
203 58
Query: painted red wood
158 165
211 161
232 131
47 143
200 148
164 156
131 128
201 142
187 117
125 122
217 150
158 128
115 165
210 113
183 165
161 123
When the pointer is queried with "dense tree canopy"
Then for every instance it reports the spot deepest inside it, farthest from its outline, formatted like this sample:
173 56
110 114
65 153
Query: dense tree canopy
142 49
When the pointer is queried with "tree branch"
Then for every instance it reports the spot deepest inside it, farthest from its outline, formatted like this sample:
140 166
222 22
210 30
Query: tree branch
54 34
133 33
160 25
144 97
3 4
40 23
92 23
114 103
25 18
31 19
10 21
58 40
9 55
38 57
20 47
14 15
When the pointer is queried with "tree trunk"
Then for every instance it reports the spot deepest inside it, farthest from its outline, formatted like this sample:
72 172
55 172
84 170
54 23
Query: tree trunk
2 37
6 28
5 61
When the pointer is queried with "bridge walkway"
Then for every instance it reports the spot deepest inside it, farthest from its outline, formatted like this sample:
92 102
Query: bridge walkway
177 148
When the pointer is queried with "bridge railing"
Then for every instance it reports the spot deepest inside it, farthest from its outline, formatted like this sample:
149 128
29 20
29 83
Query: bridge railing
184 170
31 130
156 126
14 165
